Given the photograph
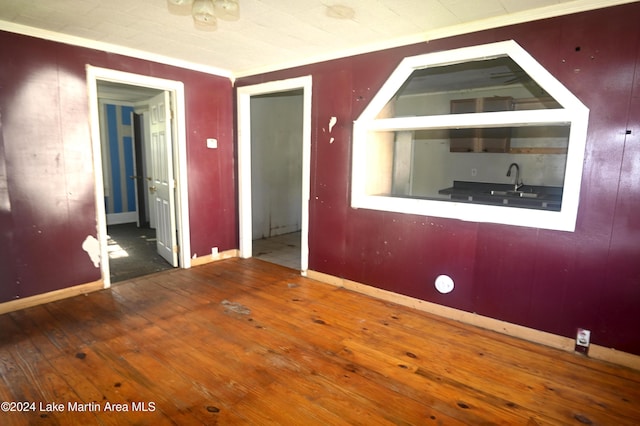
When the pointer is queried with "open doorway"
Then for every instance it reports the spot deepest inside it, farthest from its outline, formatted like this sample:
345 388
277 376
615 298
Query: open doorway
276 176
141 210
274 134
127 171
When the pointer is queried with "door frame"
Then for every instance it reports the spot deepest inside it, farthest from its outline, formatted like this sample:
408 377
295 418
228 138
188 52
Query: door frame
244 95
176 90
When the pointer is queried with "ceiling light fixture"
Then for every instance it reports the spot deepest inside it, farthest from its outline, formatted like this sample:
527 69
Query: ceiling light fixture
227 10
206 13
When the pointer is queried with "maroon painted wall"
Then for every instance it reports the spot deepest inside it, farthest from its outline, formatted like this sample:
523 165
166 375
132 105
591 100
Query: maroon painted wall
547 280
47 196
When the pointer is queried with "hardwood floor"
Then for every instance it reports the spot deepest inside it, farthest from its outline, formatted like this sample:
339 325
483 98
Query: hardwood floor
247 342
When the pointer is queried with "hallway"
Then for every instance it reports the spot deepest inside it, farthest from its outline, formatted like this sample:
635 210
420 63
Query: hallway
132 252
282 250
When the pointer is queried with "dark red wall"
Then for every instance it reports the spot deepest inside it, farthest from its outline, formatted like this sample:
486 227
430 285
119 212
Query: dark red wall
47 196
546 280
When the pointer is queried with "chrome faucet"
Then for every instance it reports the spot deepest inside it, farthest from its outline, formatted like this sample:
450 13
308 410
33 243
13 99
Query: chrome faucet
517 185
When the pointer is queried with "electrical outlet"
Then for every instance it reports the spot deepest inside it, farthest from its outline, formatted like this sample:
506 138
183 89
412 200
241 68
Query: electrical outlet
583 340
474 172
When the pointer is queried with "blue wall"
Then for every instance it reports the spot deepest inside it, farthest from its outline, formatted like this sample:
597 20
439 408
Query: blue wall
120 194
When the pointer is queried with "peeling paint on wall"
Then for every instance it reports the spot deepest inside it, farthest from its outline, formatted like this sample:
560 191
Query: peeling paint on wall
5 200
92 246
332 122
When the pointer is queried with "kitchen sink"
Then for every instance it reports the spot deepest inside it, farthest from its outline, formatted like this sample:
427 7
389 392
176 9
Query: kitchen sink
502 194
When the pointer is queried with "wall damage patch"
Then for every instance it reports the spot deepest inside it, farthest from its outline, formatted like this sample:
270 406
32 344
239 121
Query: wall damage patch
92 246
332 122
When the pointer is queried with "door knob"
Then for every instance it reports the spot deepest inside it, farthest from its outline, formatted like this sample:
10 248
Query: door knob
152 189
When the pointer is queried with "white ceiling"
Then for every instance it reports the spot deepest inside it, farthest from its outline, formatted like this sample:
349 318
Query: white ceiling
271 34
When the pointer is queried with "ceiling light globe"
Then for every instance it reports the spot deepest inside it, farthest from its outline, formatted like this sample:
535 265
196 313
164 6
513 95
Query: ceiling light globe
179 7
229 10
203 12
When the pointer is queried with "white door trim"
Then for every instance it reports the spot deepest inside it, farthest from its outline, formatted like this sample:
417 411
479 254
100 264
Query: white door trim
244 159
176 88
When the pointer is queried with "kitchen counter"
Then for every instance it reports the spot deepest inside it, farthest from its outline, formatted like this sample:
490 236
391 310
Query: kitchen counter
528 196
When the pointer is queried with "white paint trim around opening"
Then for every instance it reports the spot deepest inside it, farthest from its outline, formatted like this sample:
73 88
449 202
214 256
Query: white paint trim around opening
244 159
176 88
573 113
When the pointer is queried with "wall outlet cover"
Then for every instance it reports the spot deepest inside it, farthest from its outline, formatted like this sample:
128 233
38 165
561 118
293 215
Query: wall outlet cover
583 339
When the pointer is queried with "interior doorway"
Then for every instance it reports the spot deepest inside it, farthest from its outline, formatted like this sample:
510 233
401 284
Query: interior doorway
128 169
276 176
160 103
274 134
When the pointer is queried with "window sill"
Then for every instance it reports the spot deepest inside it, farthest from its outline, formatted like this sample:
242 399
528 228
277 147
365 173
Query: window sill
558 220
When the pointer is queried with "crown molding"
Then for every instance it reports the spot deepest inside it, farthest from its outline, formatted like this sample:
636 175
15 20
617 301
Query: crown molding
546 12
111 48
575 6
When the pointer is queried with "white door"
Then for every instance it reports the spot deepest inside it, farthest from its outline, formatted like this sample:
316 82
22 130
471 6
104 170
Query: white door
162 190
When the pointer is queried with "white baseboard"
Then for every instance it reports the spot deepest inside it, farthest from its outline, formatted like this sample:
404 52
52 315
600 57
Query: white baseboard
120 218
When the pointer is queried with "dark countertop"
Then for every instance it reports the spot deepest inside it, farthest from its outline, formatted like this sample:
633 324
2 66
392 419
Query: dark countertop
529 196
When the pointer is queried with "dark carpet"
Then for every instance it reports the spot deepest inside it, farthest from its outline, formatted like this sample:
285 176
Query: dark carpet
132 252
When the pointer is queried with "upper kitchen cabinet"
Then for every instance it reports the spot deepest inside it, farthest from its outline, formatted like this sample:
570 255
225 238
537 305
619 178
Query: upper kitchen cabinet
480 139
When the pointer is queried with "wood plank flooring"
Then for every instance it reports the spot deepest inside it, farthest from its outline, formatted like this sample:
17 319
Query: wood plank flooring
247 342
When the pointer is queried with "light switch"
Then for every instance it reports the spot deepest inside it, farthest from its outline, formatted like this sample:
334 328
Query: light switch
212 143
